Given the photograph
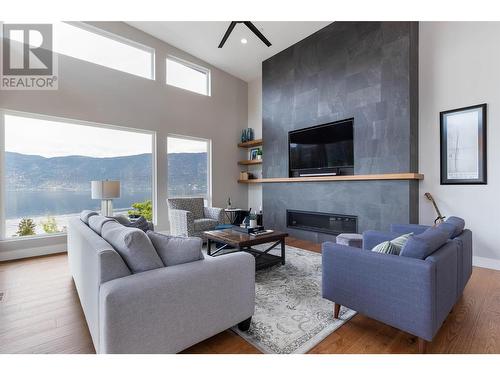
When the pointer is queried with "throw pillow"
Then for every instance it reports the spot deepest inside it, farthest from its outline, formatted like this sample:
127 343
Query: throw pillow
140 223
133 246
424 244
459 224
393 246
176 250
86 214
97 221
448 228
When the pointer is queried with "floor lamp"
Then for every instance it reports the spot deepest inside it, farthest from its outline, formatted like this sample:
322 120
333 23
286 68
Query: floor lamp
106 191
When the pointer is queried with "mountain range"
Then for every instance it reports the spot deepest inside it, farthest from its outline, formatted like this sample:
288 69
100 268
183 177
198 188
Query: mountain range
74 173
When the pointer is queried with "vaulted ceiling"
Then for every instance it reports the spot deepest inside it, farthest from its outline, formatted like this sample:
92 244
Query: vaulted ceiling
201 39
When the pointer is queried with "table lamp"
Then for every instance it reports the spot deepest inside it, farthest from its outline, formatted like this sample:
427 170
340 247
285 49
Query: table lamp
106 191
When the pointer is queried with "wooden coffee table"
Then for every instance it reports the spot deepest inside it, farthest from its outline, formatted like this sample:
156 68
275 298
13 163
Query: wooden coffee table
244 242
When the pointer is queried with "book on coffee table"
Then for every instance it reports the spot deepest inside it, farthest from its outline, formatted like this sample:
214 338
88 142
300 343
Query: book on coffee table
261 232
247 230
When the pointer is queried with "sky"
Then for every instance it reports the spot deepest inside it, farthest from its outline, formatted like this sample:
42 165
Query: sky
50 138
178 145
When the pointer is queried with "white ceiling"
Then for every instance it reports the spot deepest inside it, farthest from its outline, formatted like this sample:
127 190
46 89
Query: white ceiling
201 39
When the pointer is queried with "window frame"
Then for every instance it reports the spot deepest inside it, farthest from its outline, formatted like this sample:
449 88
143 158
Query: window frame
37 116
117 38
209 165
193 66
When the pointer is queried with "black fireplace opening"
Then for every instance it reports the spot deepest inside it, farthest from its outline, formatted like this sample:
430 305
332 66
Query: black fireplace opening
321 222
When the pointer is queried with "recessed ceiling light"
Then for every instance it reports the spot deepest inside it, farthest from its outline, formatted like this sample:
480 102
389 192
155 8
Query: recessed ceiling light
244 41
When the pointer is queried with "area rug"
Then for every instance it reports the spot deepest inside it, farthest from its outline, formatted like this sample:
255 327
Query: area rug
290 314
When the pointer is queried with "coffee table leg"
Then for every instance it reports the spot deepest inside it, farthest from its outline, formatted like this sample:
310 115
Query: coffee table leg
209 247
283 251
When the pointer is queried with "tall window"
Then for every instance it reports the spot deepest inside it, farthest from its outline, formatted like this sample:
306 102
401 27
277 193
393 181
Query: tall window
188 167
49 164
97 46
188 76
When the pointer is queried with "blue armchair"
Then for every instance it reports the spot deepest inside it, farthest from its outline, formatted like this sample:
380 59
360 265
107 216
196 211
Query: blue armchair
412 293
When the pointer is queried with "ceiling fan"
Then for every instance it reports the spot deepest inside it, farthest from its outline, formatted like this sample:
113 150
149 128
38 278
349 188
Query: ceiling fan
248 24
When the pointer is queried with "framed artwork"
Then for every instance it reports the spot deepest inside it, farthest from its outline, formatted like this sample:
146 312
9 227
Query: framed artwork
253 153
463 146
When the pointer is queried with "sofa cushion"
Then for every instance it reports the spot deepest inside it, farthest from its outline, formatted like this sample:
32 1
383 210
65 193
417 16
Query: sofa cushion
393 246
424 244
133 245
86 214
140 223
459 224
201 225
97 221
176 250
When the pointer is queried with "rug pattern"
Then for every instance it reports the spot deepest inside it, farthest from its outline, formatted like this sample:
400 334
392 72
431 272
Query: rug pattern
290 314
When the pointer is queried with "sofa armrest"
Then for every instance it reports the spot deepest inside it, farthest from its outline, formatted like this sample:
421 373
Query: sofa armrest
396 290
408 228
181 222
169 309
214 213
372 238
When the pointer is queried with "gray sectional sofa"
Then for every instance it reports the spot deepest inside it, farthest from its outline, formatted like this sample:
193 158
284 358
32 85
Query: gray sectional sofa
161 310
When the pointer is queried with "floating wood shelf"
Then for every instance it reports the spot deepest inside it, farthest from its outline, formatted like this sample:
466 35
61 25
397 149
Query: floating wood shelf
359 177
249 144
249 162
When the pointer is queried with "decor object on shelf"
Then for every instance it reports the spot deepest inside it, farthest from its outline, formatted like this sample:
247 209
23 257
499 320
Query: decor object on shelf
247 135
106 191
463 146
254 153
259 154
228 203
189 218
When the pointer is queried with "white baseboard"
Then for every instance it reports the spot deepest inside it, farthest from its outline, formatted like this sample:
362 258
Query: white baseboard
32 252
490 263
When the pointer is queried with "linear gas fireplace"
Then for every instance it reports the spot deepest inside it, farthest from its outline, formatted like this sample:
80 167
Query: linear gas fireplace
321 222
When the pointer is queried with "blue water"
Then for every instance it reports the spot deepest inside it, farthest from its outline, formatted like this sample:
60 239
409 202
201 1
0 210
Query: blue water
40 203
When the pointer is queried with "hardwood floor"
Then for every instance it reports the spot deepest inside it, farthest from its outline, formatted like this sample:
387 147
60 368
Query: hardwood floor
40 313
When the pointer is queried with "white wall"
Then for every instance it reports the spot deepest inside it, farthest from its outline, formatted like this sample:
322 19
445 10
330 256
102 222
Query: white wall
460 66
255 122
94 93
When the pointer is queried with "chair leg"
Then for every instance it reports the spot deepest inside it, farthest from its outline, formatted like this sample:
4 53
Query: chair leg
336 310
245 325
422 345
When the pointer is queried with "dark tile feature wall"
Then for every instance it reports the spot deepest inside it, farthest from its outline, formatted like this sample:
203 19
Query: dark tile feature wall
364 70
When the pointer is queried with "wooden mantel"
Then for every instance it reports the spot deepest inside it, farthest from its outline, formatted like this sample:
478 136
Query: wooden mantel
359 177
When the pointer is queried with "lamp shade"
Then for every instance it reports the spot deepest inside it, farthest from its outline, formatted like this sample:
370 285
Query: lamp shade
105 189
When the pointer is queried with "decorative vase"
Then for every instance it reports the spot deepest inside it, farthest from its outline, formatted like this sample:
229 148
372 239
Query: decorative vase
247 135
253 223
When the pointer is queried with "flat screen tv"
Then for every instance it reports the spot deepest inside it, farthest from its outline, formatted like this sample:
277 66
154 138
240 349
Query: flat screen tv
322 150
